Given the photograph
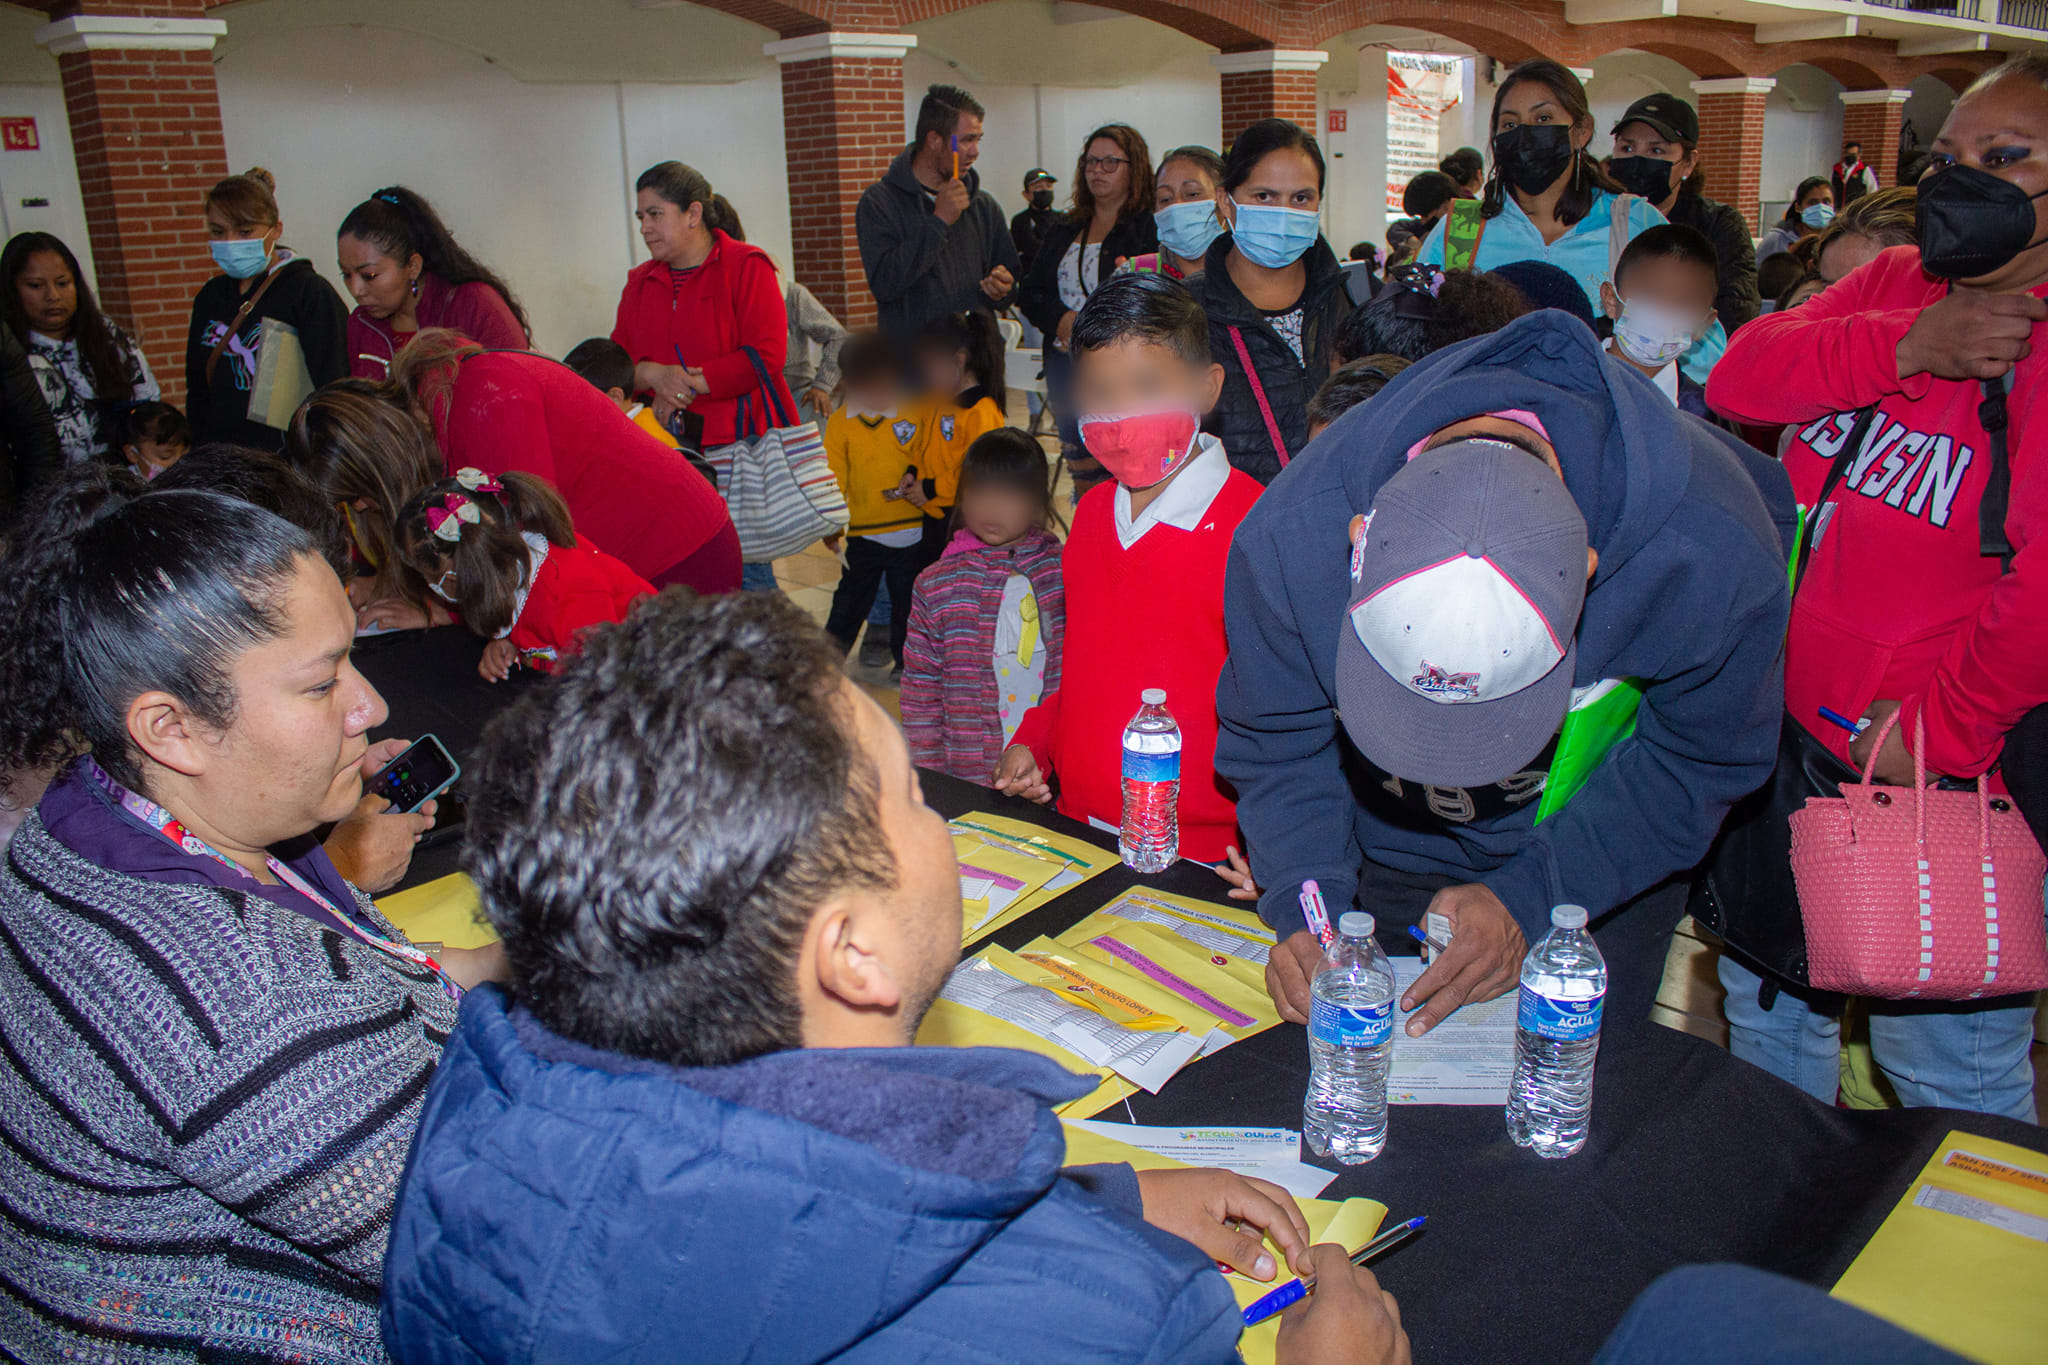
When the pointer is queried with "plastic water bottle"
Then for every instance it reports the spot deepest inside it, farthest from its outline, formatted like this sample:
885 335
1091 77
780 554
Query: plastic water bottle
1150 838
1564 985
1350 1046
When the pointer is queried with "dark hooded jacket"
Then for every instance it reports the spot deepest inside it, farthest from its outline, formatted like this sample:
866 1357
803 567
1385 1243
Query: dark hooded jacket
918 267
1289 383
1689 598
855 1205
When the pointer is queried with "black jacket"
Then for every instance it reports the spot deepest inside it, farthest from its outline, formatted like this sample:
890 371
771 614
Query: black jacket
1289 383
918 267
220 411
1134 235
30 456
1027 229
1736 301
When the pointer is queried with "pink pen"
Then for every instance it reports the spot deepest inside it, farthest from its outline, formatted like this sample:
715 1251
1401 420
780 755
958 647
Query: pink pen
1315 912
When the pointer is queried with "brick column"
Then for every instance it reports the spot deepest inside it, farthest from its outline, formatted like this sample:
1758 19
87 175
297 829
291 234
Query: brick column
1732 140
842 122
1268 83
1872 118
145 129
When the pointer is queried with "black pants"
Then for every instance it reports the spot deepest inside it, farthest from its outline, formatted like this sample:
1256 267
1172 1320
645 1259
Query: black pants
869 563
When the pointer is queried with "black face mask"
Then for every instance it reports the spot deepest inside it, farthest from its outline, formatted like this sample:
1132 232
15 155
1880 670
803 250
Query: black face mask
1972 223
1041 199
1531 156
1643 175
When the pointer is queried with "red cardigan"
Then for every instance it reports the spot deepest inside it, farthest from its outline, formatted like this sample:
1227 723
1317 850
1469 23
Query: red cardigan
475 309
734 299
1149 616
950 713
1897 602
578 586
641 500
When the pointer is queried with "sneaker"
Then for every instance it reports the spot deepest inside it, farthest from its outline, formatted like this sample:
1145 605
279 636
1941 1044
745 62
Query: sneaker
874 649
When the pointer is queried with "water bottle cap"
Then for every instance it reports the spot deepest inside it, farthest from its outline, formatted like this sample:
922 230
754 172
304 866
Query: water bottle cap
1355 924
1153 696
1569 916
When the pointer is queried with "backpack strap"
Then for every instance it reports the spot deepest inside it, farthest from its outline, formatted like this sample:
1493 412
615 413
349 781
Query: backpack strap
1464 226
241 314
1992 538
1244 358
1809 525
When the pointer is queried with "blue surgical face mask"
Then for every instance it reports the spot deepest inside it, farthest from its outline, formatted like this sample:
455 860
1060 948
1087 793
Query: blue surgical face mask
1187 229
1817 215
244 258
1274 237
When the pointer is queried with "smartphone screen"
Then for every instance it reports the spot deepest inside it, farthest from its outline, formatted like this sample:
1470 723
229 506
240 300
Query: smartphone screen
415 777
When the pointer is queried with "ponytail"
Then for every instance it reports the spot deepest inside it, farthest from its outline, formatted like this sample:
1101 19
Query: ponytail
685 185
401 224
976 333
112 591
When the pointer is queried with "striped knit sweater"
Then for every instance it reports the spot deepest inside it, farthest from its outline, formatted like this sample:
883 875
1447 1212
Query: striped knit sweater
206 1104
950 717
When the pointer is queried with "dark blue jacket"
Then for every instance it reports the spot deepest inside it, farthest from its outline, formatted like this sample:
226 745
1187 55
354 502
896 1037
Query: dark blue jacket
1690 597
565 1206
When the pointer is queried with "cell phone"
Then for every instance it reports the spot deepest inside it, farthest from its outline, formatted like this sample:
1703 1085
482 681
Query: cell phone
892 494
417 776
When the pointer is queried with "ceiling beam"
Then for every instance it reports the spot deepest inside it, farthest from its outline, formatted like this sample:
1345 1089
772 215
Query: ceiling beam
1808 30
1618 11
1937 44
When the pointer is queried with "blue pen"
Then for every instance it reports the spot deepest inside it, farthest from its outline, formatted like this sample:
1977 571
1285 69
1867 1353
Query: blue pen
1415 932
1854 727
1287 1295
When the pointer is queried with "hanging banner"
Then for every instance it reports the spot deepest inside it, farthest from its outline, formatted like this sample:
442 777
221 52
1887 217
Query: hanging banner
1421 86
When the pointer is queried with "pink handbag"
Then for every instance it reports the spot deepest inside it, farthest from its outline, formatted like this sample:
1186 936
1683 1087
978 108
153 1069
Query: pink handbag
1912 893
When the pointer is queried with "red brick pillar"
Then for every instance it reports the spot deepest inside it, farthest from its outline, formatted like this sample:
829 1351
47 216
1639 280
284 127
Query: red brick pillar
1732 140
842 122
1268 83
145 129
1872 118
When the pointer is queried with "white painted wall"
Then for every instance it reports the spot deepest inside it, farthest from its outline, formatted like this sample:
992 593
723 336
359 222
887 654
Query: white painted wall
50 173
1802 134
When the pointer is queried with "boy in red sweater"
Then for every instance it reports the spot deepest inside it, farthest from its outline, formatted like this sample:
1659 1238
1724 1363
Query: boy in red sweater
1143 566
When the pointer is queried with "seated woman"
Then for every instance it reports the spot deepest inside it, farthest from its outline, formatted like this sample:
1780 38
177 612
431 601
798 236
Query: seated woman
212 1048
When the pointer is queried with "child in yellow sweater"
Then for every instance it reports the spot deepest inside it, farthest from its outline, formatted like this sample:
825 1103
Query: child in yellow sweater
960 359
873 443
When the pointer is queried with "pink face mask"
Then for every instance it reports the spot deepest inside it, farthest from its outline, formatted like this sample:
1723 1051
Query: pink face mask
1141 448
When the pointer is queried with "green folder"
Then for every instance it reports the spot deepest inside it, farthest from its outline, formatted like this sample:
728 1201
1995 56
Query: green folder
1601 716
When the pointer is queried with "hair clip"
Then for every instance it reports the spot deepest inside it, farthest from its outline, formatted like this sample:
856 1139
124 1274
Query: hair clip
447 520
388 198
476 481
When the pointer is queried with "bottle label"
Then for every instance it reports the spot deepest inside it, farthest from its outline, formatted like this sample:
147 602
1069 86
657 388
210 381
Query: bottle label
1339 1026
1151 767
1563 1021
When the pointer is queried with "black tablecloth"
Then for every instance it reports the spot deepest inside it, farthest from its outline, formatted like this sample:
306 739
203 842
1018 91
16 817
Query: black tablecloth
1693 1157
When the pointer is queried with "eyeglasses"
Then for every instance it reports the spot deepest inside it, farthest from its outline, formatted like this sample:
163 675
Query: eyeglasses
1103 163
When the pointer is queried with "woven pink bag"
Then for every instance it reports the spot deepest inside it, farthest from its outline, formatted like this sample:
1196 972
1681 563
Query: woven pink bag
1911 893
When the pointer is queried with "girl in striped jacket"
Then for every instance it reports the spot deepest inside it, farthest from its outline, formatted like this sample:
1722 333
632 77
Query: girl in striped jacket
987 620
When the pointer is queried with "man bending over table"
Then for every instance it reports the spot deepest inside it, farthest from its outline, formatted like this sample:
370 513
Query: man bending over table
696 1128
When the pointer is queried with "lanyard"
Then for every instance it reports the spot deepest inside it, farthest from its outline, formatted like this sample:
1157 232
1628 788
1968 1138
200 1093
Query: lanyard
168 825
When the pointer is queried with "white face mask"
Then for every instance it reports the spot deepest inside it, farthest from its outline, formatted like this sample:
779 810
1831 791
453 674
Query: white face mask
1652 334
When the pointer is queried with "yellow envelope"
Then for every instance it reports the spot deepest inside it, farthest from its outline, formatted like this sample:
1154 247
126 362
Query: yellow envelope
1351 1224
1130 1000
1963 1259
1069 862
1196 953
447 911
951 1025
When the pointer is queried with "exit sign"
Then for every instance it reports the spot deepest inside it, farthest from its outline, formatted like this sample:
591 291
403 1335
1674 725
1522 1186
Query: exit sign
18 135
1338 118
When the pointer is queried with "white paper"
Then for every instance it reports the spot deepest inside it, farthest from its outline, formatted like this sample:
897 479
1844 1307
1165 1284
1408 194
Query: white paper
1266 1153
1218 935
1467 1059
1145 1059
1982 1211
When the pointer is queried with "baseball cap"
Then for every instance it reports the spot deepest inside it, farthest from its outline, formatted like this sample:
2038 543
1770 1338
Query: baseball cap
1038 173
1456 655
1671 116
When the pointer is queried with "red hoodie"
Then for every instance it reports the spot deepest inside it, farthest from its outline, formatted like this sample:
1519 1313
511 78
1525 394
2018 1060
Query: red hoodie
632 495
707 314
475 309
1897 602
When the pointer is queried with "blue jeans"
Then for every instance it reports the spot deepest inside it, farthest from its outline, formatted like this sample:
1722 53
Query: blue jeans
758 578
879 614
1712 1314
1948 1054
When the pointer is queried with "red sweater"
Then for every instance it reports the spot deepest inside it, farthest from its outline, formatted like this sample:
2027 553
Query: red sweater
475 309
734 299
578 586
1149 616
1897 602
641 500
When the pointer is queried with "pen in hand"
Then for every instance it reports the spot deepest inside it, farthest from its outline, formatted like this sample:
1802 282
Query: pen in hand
1293 1292
1433 944
1854 727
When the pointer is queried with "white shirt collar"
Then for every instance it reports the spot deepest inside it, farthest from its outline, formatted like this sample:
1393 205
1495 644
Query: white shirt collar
1183 502
537 548
1665 379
